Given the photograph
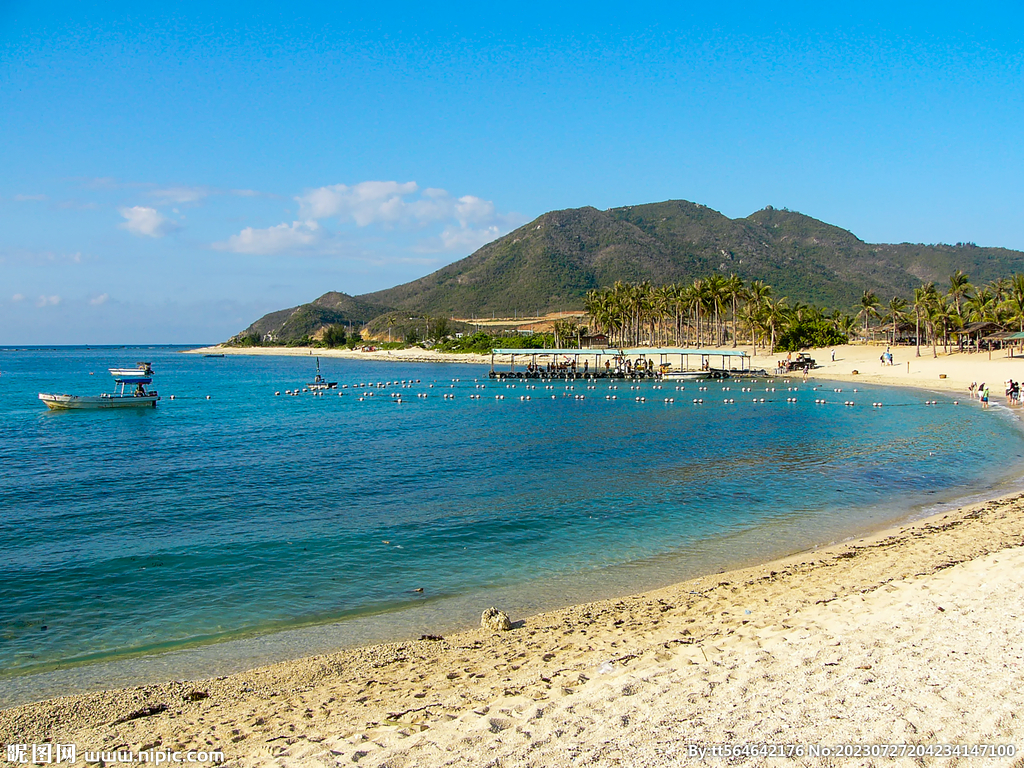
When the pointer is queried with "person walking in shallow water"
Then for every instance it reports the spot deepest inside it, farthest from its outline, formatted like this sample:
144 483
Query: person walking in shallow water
984 396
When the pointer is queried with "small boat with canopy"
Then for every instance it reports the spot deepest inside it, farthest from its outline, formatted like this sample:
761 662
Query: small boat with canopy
130 392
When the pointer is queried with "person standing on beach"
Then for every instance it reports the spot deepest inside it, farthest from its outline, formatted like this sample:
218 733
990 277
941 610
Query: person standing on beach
984 396
833 355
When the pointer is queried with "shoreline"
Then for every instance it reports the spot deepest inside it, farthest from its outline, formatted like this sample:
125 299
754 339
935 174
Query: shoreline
412 355
390 699
854 362
88 717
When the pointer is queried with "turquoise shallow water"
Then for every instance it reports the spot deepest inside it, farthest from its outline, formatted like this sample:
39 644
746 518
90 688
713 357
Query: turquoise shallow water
129 533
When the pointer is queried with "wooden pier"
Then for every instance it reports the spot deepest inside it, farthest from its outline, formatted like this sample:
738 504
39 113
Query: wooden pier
629 363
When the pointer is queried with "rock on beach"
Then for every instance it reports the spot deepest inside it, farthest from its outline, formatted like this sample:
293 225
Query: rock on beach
495 620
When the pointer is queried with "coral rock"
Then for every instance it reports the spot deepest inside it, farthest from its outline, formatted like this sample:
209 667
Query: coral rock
495 620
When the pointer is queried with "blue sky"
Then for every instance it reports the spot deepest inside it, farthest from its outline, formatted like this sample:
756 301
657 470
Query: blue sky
172 172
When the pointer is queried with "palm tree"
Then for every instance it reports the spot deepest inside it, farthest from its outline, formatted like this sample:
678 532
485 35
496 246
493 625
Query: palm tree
845 324
1015 299
774 316
757 296
938 315
868 308
736 291
923 297
959 287
662 301
897 314
716 303
391 321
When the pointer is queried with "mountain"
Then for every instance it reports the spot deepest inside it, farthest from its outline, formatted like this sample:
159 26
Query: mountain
550 263
307 319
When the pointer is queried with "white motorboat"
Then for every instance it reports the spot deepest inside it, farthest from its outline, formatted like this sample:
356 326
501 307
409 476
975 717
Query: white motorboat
132 392
686 375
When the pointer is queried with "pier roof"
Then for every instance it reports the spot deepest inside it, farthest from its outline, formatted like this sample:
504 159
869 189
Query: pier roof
627 352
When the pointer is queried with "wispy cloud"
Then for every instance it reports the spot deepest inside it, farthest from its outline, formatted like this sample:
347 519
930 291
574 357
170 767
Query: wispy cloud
31 198
18 297
103 182
466 239
98 300
146 222
181 194
284 238
48 301
78 205
30 256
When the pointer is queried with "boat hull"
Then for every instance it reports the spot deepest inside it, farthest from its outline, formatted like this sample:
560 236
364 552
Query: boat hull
714 373
686 375
102 402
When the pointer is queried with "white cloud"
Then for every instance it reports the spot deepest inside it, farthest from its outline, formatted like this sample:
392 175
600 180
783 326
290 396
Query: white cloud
456 224
365 203
31 198
48 301
146 222
467 239
97 300
18 297
299 235
181 194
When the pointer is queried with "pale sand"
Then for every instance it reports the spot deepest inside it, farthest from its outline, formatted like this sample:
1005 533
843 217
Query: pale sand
411 355
910 636
959 369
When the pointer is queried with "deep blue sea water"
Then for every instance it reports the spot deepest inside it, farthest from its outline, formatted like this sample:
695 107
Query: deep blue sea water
218 529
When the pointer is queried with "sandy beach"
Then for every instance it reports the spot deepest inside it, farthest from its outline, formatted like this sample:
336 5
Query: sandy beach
912 636
410 355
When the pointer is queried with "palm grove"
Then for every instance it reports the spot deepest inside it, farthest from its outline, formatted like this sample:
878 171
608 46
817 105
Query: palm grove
718 310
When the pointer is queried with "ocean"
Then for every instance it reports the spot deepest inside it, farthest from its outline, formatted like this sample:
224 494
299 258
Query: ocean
232 526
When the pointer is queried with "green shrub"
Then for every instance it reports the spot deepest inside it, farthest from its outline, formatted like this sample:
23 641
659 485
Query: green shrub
810 333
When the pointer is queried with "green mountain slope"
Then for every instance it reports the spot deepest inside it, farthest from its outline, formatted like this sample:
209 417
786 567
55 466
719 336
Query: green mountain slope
307 319
550 264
